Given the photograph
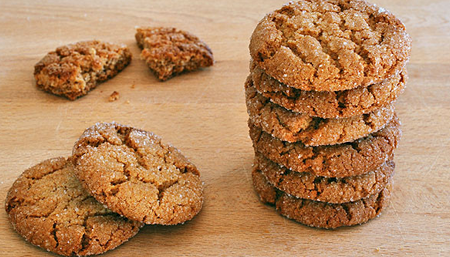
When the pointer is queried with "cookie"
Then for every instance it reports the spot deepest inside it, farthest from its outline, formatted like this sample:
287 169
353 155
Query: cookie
330 45
311 131
331 190
73 70
320 214
330 104
170 51
342 160
48 206
134 174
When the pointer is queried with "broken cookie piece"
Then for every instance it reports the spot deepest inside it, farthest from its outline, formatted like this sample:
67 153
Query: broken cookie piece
169 51
75 69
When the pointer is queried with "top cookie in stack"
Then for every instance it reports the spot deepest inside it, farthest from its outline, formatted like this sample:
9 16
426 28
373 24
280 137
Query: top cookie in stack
327 45
324 76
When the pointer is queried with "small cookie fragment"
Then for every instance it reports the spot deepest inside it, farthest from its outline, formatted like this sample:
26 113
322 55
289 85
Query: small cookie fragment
114 96
170 51
133 173
75 69
321 214
48 206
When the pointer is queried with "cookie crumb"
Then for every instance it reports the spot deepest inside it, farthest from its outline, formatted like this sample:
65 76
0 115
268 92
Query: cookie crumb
133 85
114 96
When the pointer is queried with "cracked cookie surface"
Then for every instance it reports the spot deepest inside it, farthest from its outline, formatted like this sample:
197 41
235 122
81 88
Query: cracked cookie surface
170 51
311 131
48 206
342 160
133 173
330 104
331 190
320 214
75 69
330 45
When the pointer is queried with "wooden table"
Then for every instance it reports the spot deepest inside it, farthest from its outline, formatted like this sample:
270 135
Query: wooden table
203 114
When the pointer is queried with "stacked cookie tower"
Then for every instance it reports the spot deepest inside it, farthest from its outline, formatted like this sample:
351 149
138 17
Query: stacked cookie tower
323 79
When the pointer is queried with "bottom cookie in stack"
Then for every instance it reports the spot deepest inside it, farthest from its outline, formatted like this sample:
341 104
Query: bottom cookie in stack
321 214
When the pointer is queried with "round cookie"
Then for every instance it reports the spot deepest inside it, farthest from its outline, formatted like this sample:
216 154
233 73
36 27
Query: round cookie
133 173
330 104
330 45
331 190
75 69
342 160
48 206
311 131
320 214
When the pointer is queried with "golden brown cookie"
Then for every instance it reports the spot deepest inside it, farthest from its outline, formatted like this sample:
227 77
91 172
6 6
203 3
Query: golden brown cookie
330 45
73 70
133 173
321 214
330 104
169 51
342 160
311 131
48 206
331 190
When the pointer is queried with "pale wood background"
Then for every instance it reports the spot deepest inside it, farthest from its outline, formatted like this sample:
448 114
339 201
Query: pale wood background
203 114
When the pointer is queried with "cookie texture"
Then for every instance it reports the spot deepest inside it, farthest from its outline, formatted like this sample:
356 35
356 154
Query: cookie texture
133 173
170 51
48 206
75 69
331 190
321 214
311 131
342 160
330 45
330 104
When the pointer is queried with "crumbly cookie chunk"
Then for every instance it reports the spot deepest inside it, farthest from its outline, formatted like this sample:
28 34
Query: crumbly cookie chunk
133 173
73 70
331 190
311 131
48 206
330 104
320 214
342 160
330 45
169 51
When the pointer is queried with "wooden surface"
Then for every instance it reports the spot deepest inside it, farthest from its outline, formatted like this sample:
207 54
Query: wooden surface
203 114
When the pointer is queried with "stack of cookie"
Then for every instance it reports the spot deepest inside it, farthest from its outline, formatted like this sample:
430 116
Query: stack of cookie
323 79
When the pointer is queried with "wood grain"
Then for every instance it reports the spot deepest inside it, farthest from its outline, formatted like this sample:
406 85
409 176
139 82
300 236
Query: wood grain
203 113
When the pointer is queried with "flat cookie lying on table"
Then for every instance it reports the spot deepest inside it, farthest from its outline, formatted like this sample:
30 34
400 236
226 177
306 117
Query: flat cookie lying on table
169 51
133 173
48 206
75 69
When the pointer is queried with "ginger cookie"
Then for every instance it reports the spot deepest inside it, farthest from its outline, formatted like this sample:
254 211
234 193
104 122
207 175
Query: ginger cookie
330 45
170 51
331 190
133 173
321 214
311 131
330 104
73 70
48 206
342 160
